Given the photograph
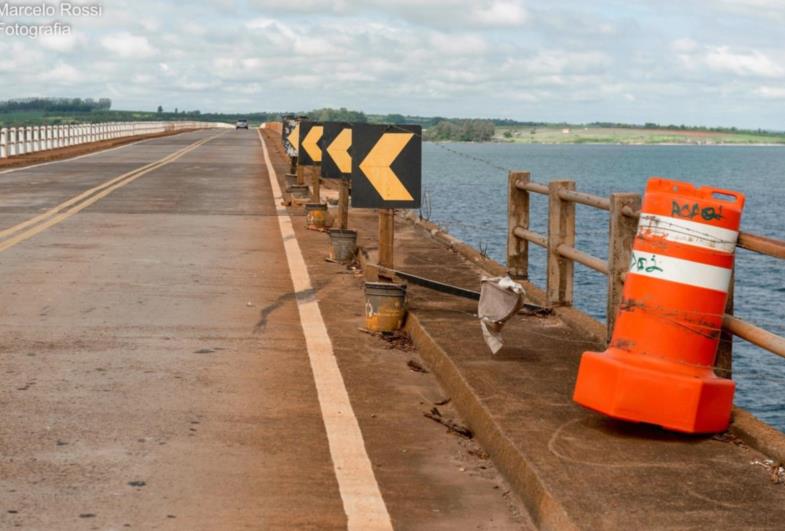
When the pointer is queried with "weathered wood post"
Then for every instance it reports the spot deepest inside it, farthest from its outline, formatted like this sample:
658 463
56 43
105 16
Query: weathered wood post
315 184
517 216
300 174
723 365
561 230
386 237
621 233
343 204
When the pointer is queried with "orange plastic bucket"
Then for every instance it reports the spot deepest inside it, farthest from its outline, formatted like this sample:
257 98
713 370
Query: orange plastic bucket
658 367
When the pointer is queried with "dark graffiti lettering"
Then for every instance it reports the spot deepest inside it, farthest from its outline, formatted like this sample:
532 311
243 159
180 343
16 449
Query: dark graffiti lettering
649 265
690 211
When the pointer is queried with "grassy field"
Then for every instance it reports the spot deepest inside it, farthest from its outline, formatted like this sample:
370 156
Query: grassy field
600 135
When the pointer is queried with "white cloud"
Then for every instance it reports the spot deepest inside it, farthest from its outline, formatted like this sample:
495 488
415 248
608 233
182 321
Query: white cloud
435 13
63 42
751 63
458 44
773 93
126 45
684 45
566 59
557 62
63 74
501 13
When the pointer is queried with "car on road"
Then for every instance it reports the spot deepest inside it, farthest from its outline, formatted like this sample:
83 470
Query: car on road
241 124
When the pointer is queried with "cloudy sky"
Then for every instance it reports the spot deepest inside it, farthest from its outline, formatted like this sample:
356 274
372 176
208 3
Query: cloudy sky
715 62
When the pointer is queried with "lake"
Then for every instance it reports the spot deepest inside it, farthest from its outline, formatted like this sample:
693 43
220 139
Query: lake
467 190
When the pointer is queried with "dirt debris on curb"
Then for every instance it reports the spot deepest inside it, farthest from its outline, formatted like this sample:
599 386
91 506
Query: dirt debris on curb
415 366
452 426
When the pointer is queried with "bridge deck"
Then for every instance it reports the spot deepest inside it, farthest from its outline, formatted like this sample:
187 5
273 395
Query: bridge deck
155 367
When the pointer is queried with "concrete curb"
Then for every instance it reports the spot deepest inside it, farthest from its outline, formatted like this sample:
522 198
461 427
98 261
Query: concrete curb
758 435
545 511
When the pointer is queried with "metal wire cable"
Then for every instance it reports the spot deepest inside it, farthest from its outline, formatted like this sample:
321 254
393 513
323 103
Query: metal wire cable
440 145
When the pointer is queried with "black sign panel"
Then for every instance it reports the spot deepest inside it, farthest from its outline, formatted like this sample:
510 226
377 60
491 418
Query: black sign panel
289 124
386 166
309 152
337 150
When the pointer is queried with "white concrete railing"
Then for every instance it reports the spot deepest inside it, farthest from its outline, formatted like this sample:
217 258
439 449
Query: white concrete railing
16 141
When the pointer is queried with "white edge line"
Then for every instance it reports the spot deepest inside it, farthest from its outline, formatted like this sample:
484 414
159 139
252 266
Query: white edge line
91 154
362 500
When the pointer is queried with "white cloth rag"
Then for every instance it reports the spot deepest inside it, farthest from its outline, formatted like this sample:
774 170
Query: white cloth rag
500 299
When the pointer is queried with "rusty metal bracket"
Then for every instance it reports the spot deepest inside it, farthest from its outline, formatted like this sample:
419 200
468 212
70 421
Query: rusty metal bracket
449 289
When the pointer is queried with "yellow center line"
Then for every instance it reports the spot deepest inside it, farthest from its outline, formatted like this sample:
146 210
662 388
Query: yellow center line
78 203
16 228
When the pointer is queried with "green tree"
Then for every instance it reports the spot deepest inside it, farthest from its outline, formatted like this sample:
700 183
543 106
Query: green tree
395 119
461 131
337 115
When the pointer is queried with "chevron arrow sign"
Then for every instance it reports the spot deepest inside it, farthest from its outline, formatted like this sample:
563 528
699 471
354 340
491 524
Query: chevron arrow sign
336 150
289 135
387 166
309 149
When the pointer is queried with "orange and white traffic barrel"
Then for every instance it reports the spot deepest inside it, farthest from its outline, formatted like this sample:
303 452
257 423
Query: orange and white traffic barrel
658 367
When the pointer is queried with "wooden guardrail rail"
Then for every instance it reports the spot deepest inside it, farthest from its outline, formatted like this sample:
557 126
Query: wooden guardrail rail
624 211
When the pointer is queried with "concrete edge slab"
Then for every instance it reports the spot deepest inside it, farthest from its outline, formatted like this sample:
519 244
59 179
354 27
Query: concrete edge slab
544 509
758 435
746 426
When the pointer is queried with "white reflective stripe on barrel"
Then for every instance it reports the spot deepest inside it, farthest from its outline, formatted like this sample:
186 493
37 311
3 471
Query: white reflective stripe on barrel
687 272
688 232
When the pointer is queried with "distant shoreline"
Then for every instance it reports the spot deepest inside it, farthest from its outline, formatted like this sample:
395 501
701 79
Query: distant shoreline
640 136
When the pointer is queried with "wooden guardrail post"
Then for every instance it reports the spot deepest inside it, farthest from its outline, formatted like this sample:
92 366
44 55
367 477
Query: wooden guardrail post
343 203
386 237
561 230
723 365
621 233
518 216
315 184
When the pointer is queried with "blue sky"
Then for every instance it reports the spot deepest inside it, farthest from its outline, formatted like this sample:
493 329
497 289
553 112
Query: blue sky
714 62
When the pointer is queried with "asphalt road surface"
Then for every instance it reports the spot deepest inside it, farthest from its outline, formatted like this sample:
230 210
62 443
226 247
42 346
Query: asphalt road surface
161 372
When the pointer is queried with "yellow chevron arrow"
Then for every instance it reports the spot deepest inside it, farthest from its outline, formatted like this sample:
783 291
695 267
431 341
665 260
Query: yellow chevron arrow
294 137
310 143
376 166
339 150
